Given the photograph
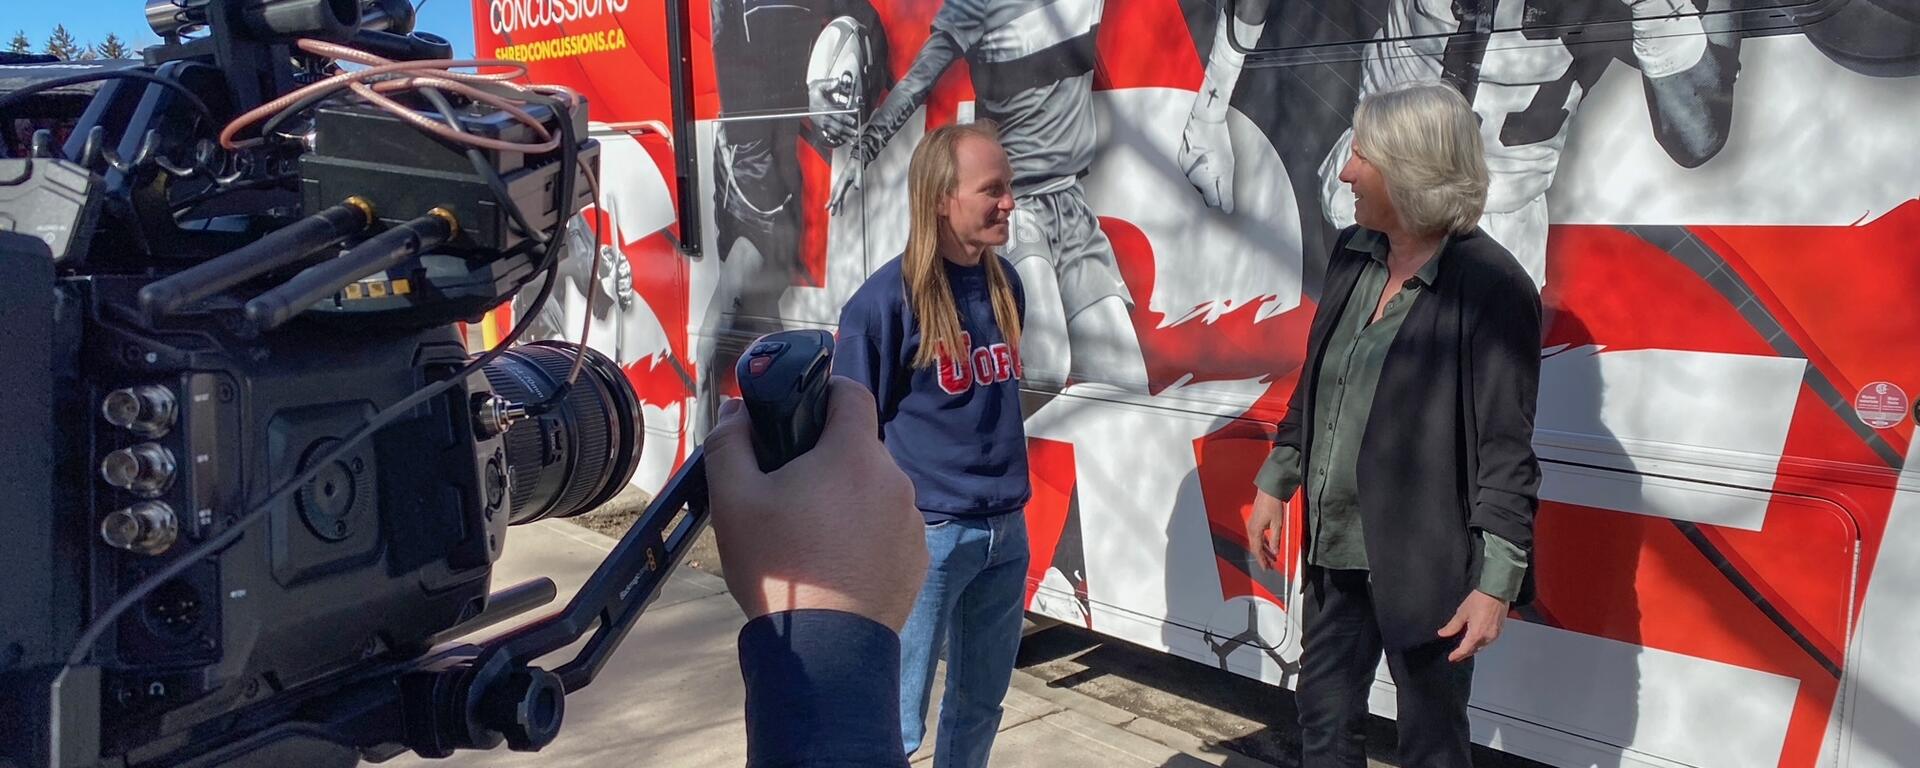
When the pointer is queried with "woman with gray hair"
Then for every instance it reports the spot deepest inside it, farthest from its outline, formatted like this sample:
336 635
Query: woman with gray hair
1410 438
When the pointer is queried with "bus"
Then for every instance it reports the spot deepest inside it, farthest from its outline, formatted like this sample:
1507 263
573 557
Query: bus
1718 199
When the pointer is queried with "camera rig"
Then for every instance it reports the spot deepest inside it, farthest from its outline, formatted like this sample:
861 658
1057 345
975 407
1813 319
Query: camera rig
259 482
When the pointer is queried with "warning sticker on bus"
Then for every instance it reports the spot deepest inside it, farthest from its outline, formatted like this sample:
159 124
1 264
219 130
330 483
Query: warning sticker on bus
1882 405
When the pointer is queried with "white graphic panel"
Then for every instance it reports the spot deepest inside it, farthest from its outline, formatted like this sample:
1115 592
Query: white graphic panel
1143 517
1812 144
1206 263
631 187
1687 709
1697 415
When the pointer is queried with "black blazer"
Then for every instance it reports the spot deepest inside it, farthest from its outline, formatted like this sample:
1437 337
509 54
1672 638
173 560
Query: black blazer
1448 448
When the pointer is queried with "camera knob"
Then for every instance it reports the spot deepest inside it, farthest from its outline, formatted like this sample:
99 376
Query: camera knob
147 410
145 469
148 528
526 707
493 415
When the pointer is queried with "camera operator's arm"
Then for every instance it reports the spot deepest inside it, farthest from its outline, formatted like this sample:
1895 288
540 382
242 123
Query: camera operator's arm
825 556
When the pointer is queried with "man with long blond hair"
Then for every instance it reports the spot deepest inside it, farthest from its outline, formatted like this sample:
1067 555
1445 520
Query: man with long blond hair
935 334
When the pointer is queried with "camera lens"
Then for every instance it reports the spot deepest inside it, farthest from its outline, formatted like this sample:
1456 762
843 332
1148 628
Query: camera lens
579 454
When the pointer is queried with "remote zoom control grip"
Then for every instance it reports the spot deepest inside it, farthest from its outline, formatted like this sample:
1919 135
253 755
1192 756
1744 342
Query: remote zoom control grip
783 379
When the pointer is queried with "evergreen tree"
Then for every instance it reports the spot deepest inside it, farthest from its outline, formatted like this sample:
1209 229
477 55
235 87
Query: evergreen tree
113 48
20 43
62 44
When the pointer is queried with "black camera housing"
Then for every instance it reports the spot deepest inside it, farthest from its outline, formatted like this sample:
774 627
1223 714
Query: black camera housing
388 547
242 529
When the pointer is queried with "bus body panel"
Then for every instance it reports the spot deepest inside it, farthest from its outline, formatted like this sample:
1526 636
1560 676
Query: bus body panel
1728 533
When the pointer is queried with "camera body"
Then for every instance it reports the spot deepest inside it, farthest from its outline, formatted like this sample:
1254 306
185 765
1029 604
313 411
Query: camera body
256 478
389 546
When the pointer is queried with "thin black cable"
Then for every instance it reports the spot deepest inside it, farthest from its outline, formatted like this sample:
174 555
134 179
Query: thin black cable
192 98
214 192
569 160
551 264
487 171
499 187
272 124
26 172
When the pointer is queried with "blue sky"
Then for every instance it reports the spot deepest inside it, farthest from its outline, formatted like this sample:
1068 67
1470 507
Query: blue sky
91 20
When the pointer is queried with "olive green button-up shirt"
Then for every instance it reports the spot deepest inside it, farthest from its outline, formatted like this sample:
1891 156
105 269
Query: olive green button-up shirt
1349 373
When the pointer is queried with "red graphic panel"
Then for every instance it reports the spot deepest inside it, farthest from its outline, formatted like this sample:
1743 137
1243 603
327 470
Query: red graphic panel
1050 466
908 25
1608 287
1132 26
1841 475
660 280
1230 348
1800 564
1849 329
1638 580
1228 461
1844 293
627 83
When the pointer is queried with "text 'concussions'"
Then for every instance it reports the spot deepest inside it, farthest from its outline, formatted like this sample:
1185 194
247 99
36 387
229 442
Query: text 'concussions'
510 15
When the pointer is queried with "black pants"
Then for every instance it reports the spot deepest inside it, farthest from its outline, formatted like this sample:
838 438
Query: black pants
1341 649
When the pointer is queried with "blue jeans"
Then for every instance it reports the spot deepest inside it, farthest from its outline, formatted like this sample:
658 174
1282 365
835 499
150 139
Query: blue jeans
972 605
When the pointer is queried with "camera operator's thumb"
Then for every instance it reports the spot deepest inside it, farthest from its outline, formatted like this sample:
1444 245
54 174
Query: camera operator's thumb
833 529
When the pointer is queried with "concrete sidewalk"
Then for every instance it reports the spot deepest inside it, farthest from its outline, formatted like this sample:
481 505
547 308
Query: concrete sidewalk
671 695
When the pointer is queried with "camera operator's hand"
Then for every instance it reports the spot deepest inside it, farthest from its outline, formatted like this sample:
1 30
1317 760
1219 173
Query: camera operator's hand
834 529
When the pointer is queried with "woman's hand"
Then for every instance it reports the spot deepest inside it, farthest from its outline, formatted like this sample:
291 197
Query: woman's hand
1263 528
1480 615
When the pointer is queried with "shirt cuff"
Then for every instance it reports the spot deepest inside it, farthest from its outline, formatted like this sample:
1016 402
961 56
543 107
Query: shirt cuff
823 687
1280 476
1502 568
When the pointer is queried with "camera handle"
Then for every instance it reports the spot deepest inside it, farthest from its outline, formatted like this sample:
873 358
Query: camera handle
783 380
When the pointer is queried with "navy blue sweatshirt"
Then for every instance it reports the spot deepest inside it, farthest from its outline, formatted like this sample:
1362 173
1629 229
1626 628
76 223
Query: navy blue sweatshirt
823 689
954 428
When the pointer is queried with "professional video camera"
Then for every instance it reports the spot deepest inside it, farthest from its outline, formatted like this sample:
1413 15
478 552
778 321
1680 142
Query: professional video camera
253 478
